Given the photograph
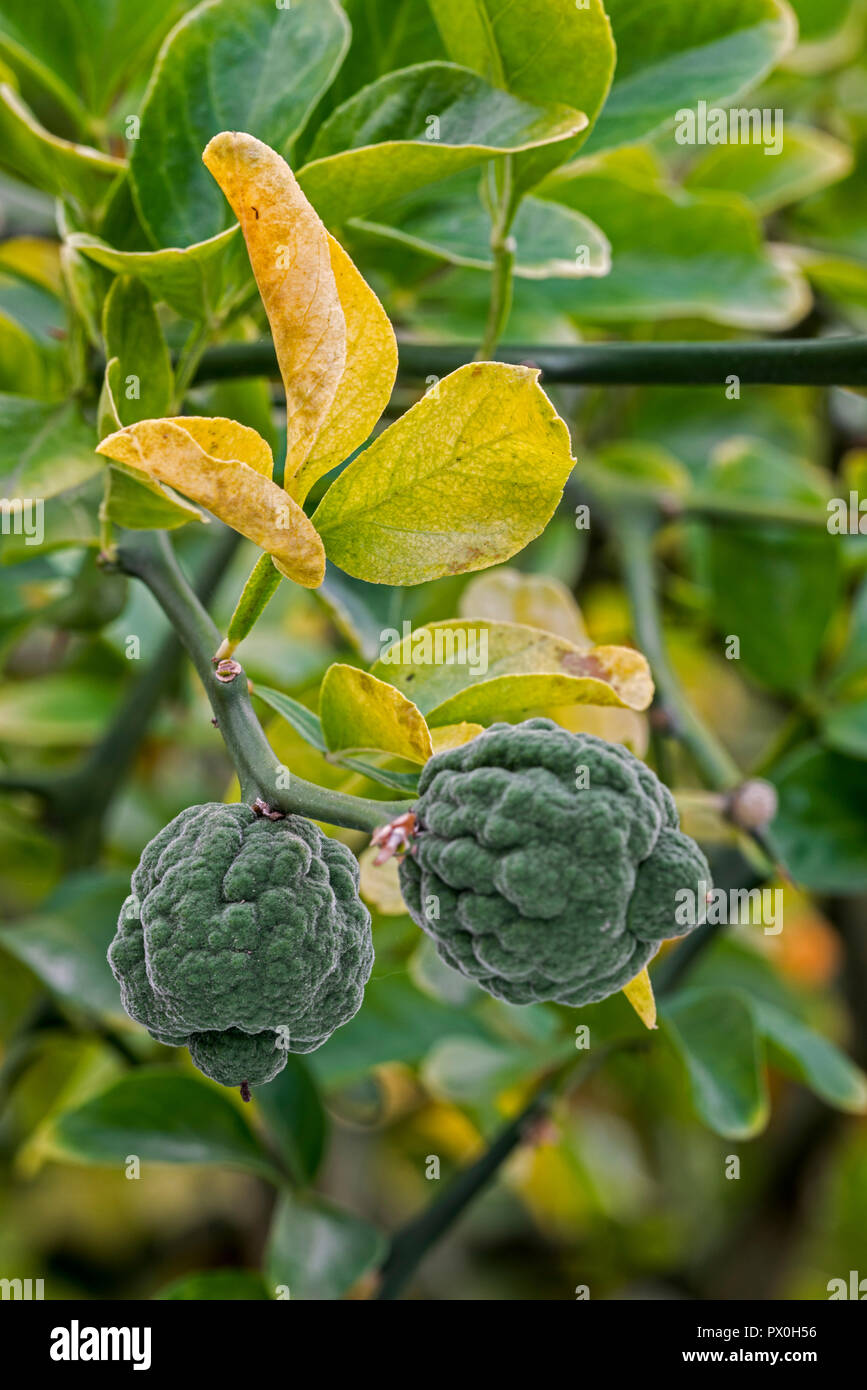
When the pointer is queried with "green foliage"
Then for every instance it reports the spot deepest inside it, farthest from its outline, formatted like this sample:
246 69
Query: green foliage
499 173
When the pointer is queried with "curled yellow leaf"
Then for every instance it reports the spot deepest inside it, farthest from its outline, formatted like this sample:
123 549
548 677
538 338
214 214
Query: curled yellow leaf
368 377
359 711
291 259
454 735
639 992
236 489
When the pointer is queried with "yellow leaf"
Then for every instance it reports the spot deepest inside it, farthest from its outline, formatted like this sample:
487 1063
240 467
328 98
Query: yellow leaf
358 711
365 387
508 596
33 258
235 489
639 992
466 478
454 735
624 726
380 885
289 252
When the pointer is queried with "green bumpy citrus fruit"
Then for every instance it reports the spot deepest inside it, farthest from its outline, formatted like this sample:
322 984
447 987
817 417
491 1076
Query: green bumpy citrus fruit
547 865
243 939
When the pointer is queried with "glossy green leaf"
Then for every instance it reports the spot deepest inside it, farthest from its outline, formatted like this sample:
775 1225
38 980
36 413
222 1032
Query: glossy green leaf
714 1033
810 1058
223 1285
844 728
465 478
81 55
246 65
541 50
31 330
671 56
449 220
672 254
132 334
808 160
65 944
380 144
299 716
295 1118
58 166
65 709
317 1250
194 280
821 824
45 447
397 1024
773 587
162 1116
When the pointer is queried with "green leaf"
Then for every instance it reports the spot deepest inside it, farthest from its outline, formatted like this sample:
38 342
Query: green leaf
225 1285
360 711
32 358
714 1034
79 55
57 166
377 147
65 709
844 728
808 160
45 447
133 336
672 254
773 587
308 725
383 39
812 1059
819 19
295 1118
821 825
450 221
246 65
540 50
318 1251
472 662
672 55
70 519
65 944
164 1117
466 478
196 281
299 716
397 1024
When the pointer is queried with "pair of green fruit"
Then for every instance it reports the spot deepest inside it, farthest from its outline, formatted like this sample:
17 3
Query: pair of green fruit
545 867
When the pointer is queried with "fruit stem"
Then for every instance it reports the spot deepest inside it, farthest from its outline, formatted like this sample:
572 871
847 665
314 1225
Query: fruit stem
148 555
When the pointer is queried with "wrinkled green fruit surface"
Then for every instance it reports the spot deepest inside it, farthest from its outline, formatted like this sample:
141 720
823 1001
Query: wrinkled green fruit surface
243 939
539 887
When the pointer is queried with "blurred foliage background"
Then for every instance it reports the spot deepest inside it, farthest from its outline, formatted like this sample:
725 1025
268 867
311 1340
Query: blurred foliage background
621 1185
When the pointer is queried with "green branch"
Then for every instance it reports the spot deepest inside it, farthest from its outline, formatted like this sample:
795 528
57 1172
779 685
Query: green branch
413 1242
772 362
149 556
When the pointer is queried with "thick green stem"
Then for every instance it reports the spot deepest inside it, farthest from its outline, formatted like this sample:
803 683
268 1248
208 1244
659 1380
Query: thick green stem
149 556
773 362
635 535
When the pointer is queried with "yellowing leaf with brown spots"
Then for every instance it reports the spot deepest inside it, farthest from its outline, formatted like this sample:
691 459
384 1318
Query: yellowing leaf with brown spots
358 711
639 992
464 479
225 467
291 259
478 671
368 377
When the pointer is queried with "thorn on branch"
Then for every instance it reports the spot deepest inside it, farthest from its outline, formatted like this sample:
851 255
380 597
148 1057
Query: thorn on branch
261 808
